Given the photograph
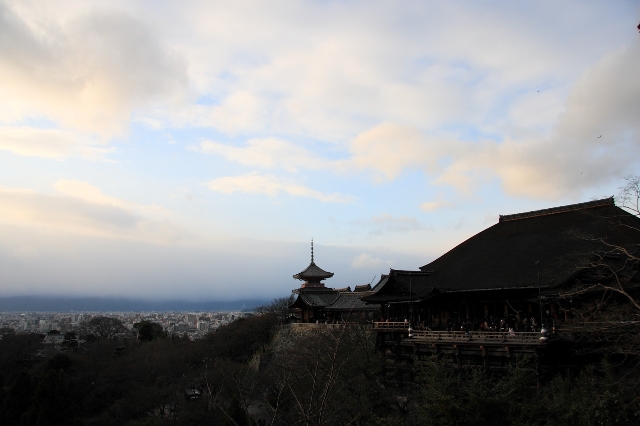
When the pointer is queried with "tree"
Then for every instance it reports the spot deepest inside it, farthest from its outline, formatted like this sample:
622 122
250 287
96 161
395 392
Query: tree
149 331
7 331
445 396
104 327
278 306
52 403
629 197
18 399
608 295
326 378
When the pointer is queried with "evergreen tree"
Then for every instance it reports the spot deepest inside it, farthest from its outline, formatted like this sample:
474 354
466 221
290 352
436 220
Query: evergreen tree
52 403
18 399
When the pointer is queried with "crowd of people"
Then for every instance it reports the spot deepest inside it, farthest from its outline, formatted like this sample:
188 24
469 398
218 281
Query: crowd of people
505 324
496 324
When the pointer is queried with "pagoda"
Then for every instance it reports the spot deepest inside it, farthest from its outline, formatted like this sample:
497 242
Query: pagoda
320 304
313 274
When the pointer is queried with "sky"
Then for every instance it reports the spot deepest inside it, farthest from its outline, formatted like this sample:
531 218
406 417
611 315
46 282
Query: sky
192 150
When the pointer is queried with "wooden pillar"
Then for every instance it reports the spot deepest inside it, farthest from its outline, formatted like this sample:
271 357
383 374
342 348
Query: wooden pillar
538 368
485 358
510 356
459 361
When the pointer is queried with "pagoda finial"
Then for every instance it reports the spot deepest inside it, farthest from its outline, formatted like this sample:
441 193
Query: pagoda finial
311 250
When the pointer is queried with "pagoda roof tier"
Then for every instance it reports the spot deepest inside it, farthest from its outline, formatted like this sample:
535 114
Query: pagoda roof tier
313 272
348 302
315 298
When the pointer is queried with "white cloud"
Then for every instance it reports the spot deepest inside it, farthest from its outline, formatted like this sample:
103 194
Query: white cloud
536 111
353 65
272 186
267 153
95 215
595 139
51 143
386 223
26 253
86 72
92 194
87 192
490 102
388 149
367 261
431 206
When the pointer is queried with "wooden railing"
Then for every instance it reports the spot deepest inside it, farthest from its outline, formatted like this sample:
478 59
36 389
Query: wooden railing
461 336
321 326
476 336
391 325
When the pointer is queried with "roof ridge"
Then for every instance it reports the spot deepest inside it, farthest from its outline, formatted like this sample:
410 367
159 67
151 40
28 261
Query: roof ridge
409 273
560 209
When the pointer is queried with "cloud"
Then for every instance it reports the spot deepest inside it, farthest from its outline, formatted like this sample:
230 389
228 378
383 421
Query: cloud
272 186
595 138
87 192
92 194
87 72
388 149
267 153
51 143
352 66
97 215
26 253
431 206
494 102
367 261
386 223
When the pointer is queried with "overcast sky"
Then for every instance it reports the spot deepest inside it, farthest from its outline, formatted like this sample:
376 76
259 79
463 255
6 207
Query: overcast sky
192 149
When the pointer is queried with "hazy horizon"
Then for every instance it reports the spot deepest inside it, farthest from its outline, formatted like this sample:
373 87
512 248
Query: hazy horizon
114 304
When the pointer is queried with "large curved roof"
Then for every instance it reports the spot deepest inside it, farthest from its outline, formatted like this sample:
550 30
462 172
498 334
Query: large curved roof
558 242
561 240
313 272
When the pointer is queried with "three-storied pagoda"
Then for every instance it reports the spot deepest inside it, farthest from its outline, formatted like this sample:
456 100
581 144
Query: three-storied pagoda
313 296
317 303
313 274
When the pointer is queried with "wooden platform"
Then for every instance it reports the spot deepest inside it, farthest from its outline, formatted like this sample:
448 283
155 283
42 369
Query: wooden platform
458 337
474 349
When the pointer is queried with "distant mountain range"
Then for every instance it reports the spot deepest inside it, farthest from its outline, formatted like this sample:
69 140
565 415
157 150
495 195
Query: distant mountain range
106 304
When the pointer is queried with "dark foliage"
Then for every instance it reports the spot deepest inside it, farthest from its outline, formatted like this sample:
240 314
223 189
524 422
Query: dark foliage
278 306
18 399
104 327
240 339
327 378
148 331
593 397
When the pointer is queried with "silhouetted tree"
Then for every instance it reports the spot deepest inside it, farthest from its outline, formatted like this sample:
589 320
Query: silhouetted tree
148 331
607 307
104 327
52 403
279 306
18 399
326 378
